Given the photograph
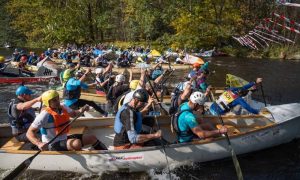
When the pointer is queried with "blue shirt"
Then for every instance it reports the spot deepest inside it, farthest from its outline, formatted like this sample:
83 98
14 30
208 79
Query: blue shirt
216 110
187 120
73 84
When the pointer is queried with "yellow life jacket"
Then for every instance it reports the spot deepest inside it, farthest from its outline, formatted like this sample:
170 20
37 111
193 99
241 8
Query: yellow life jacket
225 99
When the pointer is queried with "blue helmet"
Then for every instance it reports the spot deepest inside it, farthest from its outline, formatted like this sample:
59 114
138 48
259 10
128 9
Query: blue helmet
23 90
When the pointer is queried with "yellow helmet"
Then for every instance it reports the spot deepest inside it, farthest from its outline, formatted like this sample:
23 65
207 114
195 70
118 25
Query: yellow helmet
133 84
2 59
48 95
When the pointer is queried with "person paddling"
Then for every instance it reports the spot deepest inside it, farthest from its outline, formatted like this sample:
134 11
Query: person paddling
72 92
129 121
52 120
21 113
186 124
69 72
233 97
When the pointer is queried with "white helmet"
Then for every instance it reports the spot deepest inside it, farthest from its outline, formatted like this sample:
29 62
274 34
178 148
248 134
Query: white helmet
120 78
99 70
185 84
198 98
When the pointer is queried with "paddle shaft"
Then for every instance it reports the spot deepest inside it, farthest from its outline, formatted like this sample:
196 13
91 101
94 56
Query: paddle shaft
162 83
263 94
162 144
94 78
169 62
264 98
41 106
108 83
154 92
233 154
26 163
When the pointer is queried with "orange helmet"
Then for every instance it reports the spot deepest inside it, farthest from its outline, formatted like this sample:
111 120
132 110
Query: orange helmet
196 65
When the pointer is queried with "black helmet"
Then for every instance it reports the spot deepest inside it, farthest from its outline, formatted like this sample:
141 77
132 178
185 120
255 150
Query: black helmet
141 95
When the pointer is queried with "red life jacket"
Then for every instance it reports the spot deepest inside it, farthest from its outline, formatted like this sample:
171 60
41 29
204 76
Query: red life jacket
60 120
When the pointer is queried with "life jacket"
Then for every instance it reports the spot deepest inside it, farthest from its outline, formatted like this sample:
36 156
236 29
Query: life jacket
112 93
118 124
19 120
99 80
71 94
174 125
225 99
60 120
174 99
120 100
156 73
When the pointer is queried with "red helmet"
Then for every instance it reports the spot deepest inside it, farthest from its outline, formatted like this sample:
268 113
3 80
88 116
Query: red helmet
23 59
196 65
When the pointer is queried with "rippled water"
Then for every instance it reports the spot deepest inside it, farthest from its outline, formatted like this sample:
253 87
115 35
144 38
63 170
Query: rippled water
281 85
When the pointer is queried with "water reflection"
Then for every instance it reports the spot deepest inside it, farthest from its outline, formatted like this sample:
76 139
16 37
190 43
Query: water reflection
281 85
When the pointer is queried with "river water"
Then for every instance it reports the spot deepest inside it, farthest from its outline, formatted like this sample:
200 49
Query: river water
281 84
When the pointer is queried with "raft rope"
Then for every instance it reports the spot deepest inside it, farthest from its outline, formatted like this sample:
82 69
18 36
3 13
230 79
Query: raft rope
265 31
287 3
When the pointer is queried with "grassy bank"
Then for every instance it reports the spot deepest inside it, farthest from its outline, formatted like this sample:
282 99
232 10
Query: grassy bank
272 52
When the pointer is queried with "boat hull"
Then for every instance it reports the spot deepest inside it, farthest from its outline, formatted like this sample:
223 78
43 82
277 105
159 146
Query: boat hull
154 157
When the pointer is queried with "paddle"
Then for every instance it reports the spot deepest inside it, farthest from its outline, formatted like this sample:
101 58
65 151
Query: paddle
94 78
109 76
169 62
154 92
25 164
263 94
233 154
162 144
163 82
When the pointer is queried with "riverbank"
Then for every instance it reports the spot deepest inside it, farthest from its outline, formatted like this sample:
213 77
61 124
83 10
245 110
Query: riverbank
288 52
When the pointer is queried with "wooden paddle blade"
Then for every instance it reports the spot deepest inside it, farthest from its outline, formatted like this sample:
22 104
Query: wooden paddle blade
236 164
21 168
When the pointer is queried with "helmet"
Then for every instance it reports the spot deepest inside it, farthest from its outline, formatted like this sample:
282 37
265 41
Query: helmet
185 84
120 78
48 95
23 90
133 84
2 59
141 95
79 73
23 59
196 65
99 70
198 98
71 65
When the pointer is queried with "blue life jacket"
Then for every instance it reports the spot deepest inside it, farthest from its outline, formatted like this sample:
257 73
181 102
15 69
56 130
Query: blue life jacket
156 73
118 124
